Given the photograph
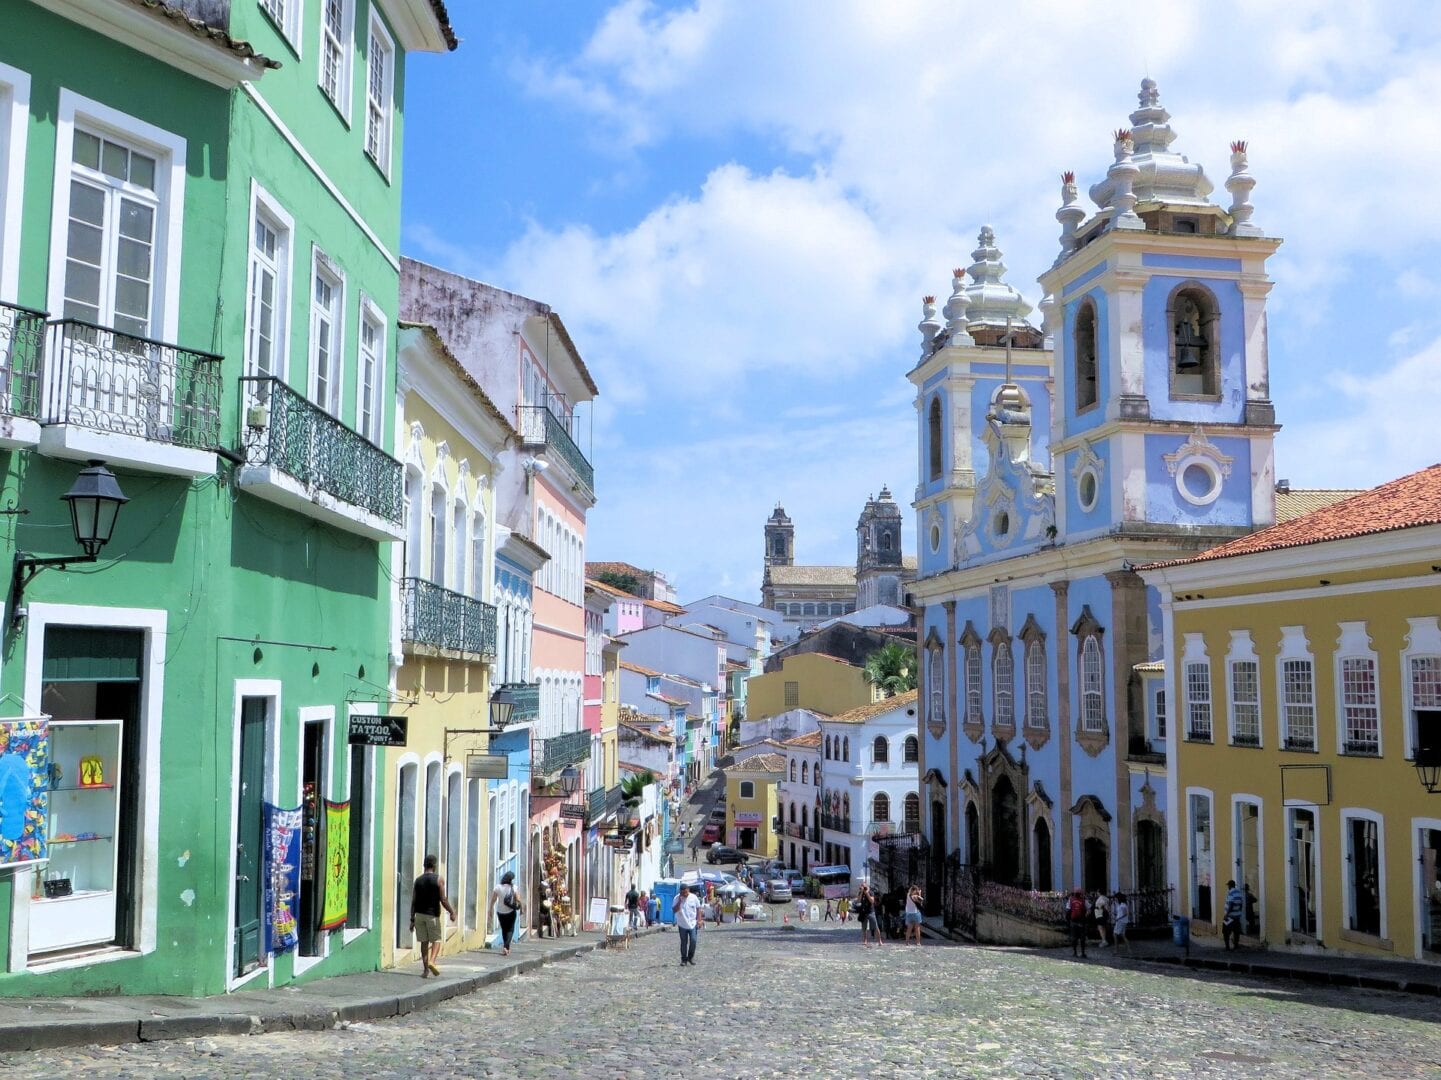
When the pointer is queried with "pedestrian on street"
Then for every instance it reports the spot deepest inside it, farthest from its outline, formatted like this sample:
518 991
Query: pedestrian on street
544 924
644 908
505 905
1231 918
913 914
843 908
830 911
1076 912
632 907
688 920
427 897
1120 922
866 916
1101 913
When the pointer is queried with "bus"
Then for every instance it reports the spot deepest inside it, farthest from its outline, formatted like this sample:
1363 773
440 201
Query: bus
832 881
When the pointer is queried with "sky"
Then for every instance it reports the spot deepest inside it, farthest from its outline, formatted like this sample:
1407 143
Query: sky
736 208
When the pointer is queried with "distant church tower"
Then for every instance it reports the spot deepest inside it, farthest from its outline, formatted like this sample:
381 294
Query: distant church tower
878 552
780 539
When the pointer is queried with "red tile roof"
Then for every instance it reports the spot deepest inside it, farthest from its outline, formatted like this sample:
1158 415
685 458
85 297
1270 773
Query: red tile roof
1406 503
876 708
809 739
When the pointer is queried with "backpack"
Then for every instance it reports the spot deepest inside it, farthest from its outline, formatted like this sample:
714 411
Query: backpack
1076 908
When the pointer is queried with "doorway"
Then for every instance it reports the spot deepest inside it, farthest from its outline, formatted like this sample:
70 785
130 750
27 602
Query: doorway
1303 872
1430 899
1095 865
1248 864
1041 840
1150 855
406 793
1203 863
249 826
1005 838
312 836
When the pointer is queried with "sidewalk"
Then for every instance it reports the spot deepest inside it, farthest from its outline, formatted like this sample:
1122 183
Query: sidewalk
45 1023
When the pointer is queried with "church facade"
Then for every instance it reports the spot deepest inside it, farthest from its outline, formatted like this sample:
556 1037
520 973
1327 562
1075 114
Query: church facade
1132 425
804 595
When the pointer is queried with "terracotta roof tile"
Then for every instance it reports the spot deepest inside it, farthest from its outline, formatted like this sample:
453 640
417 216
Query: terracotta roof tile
1401 504
809 739
771 763
666 606
867 712
626 665
647 733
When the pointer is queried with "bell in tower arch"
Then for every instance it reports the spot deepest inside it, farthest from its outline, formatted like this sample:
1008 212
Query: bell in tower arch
1190 343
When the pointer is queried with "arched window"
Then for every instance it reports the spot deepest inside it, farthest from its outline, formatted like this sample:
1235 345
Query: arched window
793 770
1093 702
415 515
816 775
810 609
1036 683
846 748
778 546
805 816
437 534
846 811
880 751
933 438
1003 679
805 772
912 813
912 752
793 813
1086 352
1192 317
881 807
828 748
885 541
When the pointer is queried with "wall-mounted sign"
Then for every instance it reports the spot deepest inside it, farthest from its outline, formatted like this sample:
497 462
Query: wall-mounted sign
574 811
486 766
610 841
366 730
748 818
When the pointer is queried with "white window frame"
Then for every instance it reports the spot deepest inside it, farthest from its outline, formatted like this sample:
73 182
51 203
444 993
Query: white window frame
359 923
1092 685
287 21
264 205
324 715
1238 800
270 690
1242 651
479 548
1423 642
971 658
322 264
458 554
375 430
386 105
346 43
1294 648
1160 712
935 682
1192 856
1289 819
169 151
1033 655
1194 655
1354 643
1003 690
1418 942
14 125
1348 860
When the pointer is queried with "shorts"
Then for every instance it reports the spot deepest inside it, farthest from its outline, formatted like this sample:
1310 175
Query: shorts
913 918
427 928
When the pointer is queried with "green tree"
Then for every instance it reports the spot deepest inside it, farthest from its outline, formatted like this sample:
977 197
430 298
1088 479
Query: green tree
892 667
628 583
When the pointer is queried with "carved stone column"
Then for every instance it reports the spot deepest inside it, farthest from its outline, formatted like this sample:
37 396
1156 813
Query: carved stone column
1062 653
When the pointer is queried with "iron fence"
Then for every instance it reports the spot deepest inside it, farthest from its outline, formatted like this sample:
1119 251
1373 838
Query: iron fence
526 699
1151 908
960 896
22 351
541 427
443 619
900 862
569 749
104 380
1028 905
285 431
835 822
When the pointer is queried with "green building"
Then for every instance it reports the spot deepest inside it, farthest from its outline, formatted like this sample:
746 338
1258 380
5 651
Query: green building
199 275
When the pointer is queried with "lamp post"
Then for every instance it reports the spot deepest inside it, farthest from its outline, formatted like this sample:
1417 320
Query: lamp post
502 705
569 780
95 500
1428 768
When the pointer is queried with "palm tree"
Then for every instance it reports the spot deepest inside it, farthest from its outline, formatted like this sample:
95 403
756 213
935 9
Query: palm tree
892 668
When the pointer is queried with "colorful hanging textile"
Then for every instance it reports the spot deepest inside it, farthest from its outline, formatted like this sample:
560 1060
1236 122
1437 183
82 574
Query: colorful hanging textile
282 878
24 791
337 864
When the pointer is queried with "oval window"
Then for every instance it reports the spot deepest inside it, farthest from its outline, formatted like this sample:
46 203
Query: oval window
1086 490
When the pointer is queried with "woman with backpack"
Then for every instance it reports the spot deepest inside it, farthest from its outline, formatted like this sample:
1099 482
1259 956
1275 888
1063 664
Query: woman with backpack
505 905
1076 909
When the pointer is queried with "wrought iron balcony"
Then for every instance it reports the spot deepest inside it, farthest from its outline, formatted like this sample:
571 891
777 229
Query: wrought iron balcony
1198 734
1245 738
325 469
22 348
881 828
835 822
794 829
101 380
1363 748
1300 742
526 696
541 427
442 619
595 805
555 754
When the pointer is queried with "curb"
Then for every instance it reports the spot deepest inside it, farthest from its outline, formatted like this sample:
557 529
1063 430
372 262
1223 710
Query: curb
97 1031
1307 975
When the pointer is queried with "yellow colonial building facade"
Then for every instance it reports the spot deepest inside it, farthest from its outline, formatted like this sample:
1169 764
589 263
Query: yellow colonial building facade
752 803
1304 664
444 641
812 681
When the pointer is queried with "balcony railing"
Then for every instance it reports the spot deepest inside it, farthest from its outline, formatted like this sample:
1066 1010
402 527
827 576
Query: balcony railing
284 431
881 828
541 427
104 380
443 619
1363 747
794 829
22 347
1245 738
1300 742
836 822
569 749
526 696
595 805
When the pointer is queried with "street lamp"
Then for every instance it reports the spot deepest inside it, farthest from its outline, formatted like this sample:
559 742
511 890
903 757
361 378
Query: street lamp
1428 767
569 780
502 705
95 500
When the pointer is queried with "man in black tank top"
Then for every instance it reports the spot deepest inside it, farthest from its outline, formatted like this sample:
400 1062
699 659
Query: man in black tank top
426 899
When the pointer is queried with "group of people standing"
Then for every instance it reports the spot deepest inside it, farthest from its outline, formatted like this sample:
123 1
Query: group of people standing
1107 917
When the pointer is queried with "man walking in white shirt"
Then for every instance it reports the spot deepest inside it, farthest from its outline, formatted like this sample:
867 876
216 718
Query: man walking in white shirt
687 922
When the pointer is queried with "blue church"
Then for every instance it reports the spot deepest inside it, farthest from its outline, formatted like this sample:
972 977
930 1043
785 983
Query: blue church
1133 424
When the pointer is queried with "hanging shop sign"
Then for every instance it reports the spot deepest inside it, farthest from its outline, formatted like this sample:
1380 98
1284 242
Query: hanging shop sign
574 811
366 730
487 766
337 865
282 878
748 817
622 842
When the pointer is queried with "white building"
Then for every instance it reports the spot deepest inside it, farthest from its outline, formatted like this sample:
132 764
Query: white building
870 779
800 802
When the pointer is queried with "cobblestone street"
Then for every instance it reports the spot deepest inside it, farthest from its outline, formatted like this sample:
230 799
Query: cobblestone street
769 1002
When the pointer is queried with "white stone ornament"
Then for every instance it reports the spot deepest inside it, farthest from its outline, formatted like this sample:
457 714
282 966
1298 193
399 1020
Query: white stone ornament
1239 184
955 312
1163 175
1123 176
928 326
1070 215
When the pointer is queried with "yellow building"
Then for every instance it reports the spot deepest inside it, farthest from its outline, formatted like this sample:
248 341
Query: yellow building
752 803
445 631
812 681
1304 662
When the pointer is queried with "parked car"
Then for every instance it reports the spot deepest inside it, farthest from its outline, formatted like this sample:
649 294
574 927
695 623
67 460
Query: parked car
721 853
797 882
711 833
778 891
